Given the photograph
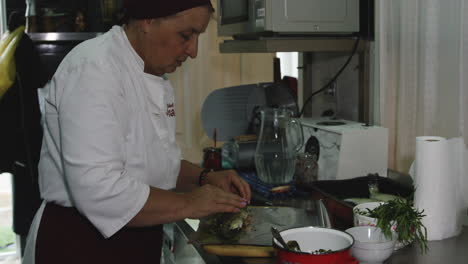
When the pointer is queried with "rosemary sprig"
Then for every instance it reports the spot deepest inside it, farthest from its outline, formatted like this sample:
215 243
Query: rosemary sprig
408 221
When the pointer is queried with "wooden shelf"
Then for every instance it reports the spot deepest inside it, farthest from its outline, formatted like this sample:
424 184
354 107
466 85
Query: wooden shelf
290 45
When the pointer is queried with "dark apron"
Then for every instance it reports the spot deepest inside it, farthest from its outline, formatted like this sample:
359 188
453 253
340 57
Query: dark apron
66 236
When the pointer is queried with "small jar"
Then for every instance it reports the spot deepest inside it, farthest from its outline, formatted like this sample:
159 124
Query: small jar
212 158
306 168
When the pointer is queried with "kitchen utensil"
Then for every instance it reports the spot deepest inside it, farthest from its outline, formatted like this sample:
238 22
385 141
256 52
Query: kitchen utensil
276 234
370 244
232 110
226 110
318 245
240 154
279 140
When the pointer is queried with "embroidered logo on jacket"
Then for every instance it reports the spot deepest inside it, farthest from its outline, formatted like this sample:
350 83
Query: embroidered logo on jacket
170 110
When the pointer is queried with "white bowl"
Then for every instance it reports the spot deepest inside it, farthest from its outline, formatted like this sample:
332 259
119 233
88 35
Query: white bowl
371 245
362 220
312 238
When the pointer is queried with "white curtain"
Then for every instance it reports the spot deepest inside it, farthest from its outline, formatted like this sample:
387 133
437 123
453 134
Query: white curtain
423 59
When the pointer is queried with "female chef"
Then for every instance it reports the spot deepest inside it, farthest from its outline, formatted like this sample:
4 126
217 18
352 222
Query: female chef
110 169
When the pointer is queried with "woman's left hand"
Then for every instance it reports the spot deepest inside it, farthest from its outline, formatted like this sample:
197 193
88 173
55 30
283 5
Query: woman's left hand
229 181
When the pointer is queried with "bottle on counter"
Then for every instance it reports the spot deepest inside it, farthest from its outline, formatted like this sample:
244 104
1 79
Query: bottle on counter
306 171
212 158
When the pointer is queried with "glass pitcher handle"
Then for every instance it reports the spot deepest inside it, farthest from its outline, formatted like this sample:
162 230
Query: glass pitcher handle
299 134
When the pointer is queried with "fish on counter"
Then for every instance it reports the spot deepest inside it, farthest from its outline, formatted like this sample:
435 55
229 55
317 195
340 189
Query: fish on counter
229 226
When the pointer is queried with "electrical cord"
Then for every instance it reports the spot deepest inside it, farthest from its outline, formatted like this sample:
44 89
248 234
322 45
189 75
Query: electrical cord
356 44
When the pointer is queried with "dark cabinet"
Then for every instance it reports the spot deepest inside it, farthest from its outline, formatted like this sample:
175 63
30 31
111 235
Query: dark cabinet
58 29
53 47
71 15
60 25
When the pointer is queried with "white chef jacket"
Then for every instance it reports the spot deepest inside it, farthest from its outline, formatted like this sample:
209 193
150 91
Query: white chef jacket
109 133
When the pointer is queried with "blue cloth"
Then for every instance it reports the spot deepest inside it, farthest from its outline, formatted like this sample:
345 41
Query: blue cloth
264 189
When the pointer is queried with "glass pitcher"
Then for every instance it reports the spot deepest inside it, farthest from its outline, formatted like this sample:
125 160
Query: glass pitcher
279 140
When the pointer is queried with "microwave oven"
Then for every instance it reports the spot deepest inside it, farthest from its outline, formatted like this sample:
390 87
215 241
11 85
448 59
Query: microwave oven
346 149
247 18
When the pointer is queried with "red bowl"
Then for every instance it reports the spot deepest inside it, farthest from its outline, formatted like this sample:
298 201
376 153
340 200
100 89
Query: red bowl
311 239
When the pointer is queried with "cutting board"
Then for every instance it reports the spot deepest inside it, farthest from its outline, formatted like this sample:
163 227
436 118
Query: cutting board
240 250
256 240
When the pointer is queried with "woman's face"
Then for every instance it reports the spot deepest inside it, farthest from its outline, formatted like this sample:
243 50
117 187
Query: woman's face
166 43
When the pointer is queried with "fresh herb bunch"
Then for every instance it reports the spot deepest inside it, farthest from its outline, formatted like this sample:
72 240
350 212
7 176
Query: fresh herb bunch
408 221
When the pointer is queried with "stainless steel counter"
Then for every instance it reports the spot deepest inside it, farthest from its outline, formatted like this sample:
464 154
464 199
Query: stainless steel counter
451 251
448 251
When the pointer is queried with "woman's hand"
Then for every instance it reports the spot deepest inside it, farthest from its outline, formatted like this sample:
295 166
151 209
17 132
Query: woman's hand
229 181
210 199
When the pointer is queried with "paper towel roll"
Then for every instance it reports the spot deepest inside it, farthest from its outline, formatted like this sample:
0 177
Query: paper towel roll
436 180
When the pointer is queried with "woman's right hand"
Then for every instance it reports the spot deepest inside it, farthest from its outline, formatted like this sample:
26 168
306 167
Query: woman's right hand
209 199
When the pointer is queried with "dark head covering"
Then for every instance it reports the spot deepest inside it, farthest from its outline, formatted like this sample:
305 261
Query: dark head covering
145 9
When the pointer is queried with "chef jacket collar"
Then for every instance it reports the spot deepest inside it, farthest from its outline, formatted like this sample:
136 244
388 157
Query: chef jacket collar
137 58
